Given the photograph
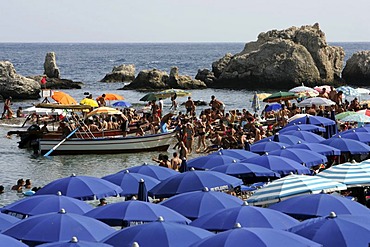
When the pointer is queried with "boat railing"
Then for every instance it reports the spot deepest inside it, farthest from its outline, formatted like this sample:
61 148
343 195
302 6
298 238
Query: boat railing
84 132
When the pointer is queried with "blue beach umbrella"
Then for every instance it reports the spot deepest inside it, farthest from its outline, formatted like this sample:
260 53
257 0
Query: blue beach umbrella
318 148
42 204
123 104
319 205
9 241
336 230
55 227
287 139
358 136
281 165
81 187
365 129
303 156
129 182
248 216
198 203
246 170
194 181
210 161
257 237
134 212
306 136
7 220
273 107
350 174
315 120
348 91
235 153
303 127
158 172
347 145
265 147
293 185
158 233
74 242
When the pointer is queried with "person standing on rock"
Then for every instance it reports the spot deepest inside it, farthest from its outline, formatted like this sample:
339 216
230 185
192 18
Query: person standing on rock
43 81
7 110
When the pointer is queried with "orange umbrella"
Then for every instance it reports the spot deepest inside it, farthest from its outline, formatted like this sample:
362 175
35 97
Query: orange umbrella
63 98
113 96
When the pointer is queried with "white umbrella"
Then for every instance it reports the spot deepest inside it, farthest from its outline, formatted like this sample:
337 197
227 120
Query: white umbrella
303 90
293 185
350 174
317 101
361 90
42 111
296 116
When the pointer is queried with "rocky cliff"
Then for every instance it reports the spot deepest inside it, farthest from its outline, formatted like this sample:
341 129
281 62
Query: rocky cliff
281 59
122 73
357 69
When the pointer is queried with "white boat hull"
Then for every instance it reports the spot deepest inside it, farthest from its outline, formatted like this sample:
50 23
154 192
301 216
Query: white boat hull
158 142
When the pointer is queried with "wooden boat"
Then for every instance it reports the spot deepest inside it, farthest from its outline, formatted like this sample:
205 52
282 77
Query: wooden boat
108 145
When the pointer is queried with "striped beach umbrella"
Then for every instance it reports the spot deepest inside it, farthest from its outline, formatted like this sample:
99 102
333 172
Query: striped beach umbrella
350 174
291 186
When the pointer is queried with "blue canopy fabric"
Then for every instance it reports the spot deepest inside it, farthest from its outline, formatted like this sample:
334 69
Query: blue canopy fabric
273 107
75 243
7 220
303 127
303 156
281 165
363 137
248 216
128 212
256 237
350 174
293 185
347 145
319 205
318 148
129 182
55 227
198 203
365 129
9 241
306 136
81 187
244 170
124 104
288 139
329 124
158 172
194 181
336 230
158 233
235 153
42 204
210 161
263 147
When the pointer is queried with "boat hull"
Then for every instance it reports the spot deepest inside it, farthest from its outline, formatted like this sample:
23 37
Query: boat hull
110 145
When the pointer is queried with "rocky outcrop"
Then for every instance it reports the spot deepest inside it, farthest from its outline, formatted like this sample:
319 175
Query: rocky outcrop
183 81
16 86
56 83
122 73
281 59
357 69
51 69
156 79
205 75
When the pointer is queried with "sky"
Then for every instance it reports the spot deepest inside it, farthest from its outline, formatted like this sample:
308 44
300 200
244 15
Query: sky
177 20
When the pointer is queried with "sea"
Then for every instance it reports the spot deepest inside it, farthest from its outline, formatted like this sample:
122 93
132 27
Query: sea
89 63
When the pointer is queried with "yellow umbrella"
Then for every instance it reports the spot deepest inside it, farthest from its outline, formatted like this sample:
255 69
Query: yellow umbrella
104 110
63 98
89 102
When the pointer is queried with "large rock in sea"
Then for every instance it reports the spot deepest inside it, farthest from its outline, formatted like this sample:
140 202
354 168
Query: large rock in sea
121 73
157 80
206 76
183 81
357 69
281 59
51 69
16 86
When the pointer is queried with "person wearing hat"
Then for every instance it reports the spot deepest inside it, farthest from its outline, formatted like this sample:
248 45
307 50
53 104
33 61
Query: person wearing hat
7 110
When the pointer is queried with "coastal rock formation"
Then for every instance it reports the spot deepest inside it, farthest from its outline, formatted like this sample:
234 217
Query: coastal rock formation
157 79
205 75
357 69
56 83
281 59
122 73
149 79
16 86
51 69
183 81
